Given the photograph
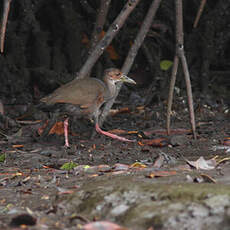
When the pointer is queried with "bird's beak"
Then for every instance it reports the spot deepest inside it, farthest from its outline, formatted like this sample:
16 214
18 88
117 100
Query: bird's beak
124 78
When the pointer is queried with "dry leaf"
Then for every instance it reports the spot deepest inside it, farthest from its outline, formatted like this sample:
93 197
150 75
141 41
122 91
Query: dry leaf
158 142
138 165
161 174
201 163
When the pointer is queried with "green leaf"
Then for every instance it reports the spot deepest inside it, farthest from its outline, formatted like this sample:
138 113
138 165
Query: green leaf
86 167
68 166
165 64
2 157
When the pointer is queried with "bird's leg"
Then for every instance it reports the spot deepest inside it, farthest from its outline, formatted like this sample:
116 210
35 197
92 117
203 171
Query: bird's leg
99 130
114 136
66 124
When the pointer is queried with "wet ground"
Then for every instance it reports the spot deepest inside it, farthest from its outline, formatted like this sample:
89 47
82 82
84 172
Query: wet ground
148 184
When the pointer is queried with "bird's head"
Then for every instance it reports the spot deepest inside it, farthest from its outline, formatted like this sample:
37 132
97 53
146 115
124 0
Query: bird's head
115 75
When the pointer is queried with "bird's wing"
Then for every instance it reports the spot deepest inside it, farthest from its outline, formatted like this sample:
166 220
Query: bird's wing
82 92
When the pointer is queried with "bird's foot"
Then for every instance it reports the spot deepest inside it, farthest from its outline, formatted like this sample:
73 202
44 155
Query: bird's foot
114 136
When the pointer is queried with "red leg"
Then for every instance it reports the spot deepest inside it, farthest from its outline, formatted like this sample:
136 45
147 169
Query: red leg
114 136
66 124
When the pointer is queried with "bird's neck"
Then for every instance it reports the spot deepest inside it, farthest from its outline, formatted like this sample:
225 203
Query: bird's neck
111 86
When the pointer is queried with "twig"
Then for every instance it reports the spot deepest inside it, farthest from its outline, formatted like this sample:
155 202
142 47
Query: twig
100 21
180 54
171 89
106 40
6 11
29 122
200 11
141 36
133 52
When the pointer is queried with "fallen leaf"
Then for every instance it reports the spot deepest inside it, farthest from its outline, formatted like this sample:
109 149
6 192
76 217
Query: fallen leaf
26 179
138 165
161 174
2 157
119 172
140 107
223 160
158 142
121 131
133 132
58 128
201 163
17 146
114 112
63 191
68 166
120 167
93 175
140 143
104 168
118 131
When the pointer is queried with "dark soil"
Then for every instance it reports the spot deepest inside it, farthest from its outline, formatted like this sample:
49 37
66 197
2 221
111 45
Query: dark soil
32 181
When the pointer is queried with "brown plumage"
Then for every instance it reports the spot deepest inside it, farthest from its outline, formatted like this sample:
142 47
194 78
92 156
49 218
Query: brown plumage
84 97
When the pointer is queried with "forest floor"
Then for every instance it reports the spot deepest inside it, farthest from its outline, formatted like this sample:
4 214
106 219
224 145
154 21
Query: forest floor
44 185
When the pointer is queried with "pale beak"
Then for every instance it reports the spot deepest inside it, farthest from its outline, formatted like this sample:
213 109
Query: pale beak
124 78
